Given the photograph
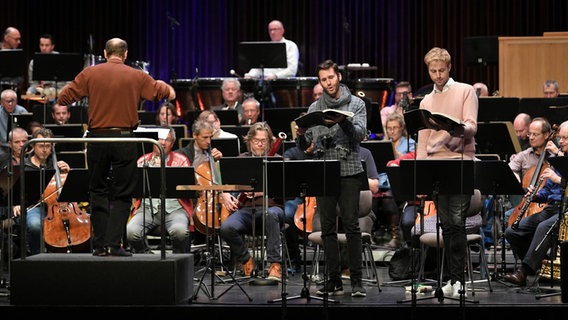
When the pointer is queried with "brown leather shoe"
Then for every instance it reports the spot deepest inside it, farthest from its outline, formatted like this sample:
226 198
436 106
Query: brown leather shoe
518 278
248 267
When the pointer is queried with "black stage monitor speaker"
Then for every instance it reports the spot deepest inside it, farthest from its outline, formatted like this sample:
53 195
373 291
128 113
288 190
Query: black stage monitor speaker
481 50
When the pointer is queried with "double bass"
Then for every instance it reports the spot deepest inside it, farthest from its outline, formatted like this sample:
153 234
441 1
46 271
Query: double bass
66 226
527 207
210 210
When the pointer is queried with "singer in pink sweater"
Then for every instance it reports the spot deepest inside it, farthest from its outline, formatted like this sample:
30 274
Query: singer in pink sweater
459 101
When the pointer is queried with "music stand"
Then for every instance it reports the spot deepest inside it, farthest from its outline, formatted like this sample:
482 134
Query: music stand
57 67
495 177
11 62
262 54
560 164
33 187
74 130
436 177
305 180
228 117
175 176
496 137
75 189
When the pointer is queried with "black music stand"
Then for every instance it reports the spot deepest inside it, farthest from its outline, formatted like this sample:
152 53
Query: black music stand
495 178
560 164
75 189
210 191
262 54
496 137
11 63
71 130
303 178
57 67
436 177
249 171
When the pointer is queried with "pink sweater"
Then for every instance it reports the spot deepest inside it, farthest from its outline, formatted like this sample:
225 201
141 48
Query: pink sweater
460 102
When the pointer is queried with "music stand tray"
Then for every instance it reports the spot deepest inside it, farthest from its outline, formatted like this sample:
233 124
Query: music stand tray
560 164
76 187
301 178
382 151
494 177
449 176
11 63
33 188
262 54
246 171
175 176
497 137
228 117
57 66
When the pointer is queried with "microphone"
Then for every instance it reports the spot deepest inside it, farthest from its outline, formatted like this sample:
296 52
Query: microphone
405 103
234 73
249 121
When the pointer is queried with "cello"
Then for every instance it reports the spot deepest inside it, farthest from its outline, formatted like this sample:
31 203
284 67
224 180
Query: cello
210 210
527 207
66 226
310 205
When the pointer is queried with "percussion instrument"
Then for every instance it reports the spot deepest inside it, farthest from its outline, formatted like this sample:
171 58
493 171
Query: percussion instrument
380 90
293 92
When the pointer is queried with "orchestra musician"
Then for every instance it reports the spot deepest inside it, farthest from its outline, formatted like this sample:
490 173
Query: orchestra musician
525 161
531 240
39 158
147 216
199 151
260 141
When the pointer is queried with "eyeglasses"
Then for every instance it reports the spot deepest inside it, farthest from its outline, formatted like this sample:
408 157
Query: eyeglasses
9 100
533 134
563 137
258 141
393 128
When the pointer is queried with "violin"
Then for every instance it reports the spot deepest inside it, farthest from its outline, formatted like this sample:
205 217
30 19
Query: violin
66 226
310 204
210 210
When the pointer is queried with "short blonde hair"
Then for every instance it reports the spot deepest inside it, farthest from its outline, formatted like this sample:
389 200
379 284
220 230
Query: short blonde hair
437 54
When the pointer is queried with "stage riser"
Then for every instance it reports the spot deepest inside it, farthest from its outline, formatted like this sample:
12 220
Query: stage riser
81 279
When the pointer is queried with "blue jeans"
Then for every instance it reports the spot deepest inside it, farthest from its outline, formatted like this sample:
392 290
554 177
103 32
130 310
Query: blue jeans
240 223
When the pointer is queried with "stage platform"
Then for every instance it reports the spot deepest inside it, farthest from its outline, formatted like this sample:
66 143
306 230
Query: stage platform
135 287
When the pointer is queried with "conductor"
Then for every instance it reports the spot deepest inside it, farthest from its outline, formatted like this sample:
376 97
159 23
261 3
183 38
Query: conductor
114 91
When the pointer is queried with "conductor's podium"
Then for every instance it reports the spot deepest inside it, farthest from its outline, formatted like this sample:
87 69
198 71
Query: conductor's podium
83 279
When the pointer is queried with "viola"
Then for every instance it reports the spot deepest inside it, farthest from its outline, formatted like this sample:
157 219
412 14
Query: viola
66 226
310 205
210 210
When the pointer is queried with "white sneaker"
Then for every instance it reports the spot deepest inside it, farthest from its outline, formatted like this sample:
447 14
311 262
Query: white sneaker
448 289
456 290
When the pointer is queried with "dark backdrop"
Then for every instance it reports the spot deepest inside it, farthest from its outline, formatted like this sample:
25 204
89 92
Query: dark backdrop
183 39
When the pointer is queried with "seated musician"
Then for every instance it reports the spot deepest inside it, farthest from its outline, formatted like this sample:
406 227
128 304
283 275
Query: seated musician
147 215
259 140
199 151
530 240
40 157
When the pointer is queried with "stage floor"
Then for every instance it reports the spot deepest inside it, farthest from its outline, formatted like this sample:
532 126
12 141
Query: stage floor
221 296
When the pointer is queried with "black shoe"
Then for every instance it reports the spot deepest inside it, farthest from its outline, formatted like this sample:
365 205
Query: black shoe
357 289
333 288
118 252
100 252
